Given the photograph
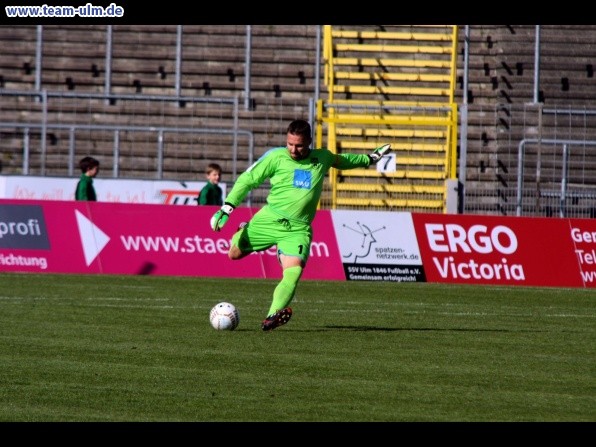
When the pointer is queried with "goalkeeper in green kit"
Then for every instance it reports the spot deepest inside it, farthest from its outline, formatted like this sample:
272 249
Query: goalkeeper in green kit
296 174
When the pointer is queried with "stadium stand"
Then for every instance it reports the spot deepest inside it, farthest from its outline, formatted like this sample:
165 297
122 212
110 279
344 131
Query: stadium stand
139 87
509 102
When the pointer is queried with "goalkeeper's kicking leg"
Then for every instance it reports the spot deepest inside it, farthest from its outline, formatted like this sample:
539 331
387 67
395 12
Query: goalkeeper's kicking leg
280 311
293 245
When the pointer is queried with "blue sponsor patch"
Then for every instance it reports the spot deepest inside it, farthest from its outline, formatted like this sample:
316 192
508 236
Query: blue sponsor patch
302 179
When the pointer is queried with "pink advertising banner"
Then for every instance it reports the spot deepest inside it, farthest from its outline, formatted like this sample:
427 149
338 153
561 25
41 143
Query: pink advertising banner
116 238
45 236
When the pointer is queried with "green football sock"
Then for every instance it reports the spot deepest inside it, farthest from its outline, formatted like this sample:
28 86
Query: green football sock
285 290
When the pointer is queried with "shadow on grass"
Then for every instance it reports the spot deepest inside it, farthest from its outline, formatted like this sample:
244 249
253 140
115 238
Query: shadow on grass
383 329
420 329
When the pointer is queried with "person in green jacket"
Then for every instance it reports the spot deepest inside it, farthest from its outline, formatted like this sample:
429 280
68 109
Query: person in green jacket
85 189
211 194
296 174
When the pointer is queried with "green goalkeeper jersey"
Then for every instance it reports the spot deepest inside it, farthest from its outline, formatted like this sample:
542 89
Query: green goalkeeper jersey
296 186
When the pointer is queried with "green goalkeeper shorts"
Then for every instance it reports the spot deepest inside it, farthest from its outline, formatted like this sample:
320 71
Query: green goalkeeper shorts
267 229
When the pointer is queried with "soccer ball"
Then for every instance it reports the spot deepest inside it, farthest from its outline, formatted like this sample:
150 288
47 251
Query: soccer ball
224 317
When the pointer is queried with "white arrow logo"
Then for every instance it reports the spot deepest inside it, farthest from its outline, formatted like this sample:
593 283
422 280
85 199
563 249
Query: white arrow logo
93 239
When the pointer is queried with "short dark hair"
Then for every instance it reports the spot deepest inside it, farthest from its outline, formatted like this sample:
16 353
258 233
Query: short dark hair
213 167
88 163
302 128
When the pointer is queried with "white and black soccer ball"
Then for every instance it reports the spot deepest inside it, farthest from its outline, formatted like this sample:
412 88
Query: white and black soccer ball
224 317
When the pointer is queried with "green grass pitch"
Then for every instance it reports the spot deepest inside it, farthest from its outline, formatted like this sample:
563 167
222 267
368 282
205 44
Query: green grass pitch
101 348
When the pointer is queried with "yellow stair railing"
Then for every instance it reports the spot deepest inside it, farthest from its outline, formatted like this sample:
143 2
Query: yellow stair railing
375 98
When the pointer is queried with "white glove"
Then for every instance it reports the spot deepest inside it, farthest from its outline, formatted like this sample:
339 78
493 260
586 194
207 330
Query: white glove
379 152
219 219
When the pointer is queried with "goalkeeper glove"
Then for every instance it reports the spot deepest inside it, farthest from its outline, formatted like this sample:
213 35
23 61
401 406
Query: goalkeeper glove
220 218
378 153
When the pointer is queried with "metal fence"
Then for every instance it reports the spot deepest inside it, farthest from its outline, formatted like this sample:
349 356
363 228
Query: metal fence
521 160
530 160
58 128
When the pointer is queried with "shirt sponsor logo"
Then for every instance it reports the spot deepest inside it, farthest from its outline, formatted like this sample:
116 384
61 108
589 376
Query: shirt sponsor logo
302 179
